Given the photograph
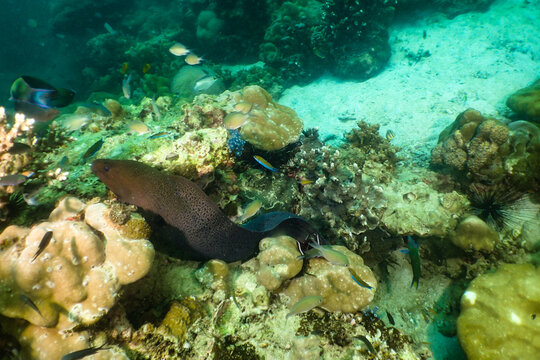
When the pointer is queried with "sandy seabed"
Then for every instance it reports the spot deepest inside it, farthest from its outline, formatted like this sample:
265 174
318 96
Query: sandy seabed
477 60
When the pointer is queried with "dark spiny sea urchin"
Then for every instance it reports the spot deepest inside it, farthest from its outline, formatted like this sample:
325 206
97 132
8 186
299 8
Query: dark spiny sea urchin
501 207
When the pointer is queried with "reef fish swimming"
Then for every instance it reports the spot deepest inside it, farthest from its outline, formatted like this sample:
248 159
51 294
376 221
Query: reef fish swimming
206 230
305 304
412 250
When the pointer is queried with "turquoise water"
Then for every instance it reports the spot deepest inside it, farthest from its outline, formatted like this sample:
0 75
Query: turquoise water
278 179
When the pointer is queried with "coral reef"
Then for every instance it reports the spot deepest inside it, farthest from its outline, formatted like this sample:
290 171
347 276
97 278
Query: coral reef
486 150
75 279
499 314
526 102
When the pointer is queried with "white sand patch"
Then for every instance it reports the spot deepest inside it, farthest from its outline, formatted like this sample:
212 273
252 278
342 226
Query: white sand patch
477 60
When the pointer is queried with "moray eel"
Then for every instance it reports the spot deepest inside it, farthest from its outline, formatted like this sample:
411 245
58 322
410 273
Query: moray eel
181 203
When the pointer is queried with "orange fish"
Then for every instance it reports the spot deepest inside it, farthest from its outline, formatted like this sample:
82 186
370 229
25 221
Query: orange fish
193 59
125 68
146 68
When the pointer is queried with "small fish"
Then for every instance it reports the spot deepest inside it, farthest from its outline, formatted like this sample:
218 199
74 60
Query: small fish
75 121
158 135
264 163
28 173
178 49
357 279
155 108
243 107
25 299
235 120
109 28
204 83
415 260
18 148
139 127
332 256
43 244
367 342
390 135
146 68
63 162
250 210
390 318
125 68
12 180
79 354
126 87
306 182
31 198
92 150
305 304
192 59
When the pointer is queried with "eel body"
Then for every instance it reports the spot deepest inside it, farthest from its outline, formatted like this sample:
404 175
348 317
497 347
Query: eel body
182 204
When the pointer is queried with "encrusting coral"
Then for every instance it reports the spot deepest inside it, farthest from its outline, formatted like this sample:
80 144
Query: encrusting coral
75 280
499 314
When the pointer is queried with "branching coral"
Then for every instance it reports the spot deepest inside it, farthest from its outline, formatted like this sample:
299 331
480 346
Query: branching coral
10 163
340 200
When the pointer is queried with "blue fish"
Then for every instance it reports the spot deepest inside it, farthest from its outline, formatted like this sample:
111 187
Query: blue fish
158 135
92 150
38 92
264 163
412 250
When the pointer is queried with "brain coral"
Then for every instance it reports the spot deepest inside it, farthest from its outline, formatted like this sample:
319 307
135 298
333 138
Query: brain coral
499 314
77 277
272 126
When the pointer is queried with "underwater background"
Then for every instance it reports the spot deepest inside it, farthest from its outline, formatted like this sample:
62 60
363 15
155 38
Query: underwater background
309 179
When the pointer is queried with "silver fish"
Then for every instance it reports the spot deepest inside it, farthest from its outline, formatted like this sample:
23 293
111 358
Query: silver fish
12 180
204 83
126 87
305 304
